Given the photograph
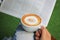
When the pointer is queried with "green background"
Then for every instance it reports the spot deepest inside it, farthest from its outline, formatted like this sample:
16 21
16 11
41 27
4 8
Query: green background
8 24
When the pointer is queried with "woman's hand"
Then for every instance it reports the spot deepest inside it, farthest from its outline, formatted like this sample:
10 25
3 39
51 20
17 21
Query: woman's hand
42 34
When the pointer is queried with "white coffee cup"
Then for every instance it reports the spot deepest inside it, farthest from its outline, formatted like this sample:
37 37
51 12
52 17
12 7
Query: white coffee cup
30 28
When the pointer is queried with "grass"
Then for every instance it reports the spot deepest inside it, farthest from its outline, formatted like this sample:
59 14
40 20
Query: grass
8 24
54 24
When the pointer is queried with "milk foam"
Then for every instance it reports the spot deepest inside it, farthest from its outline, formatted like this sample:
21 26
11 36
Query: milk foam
33 20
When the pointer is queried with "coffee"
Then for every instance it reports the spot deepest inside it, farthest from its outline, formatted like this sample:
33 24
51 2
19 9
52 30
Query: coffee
31 19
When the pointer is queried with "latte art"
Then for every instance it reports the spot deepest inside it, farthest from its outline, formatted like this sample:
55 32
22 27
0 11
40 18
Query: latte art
31 19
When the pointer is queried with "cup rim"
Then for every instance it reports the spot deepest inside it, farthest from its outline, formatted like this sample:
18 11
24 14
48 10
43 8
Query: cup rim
30 26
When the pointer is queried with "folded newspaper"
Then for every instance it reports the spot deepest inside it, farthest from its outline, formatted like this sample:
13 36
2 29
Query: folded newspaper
17 8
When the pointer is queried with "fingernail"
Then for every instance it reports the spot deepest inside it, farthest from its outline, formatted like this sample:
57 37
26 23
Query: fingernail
42 27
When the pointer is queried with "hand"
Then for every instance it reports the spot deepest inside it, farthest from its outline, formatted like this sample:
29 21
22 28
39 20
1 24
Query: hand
42 34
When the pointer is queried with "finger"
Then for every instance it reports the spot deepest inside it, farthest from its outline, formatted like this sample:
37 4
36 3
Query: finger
43 31
48 34
37 38
37 33
42 27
